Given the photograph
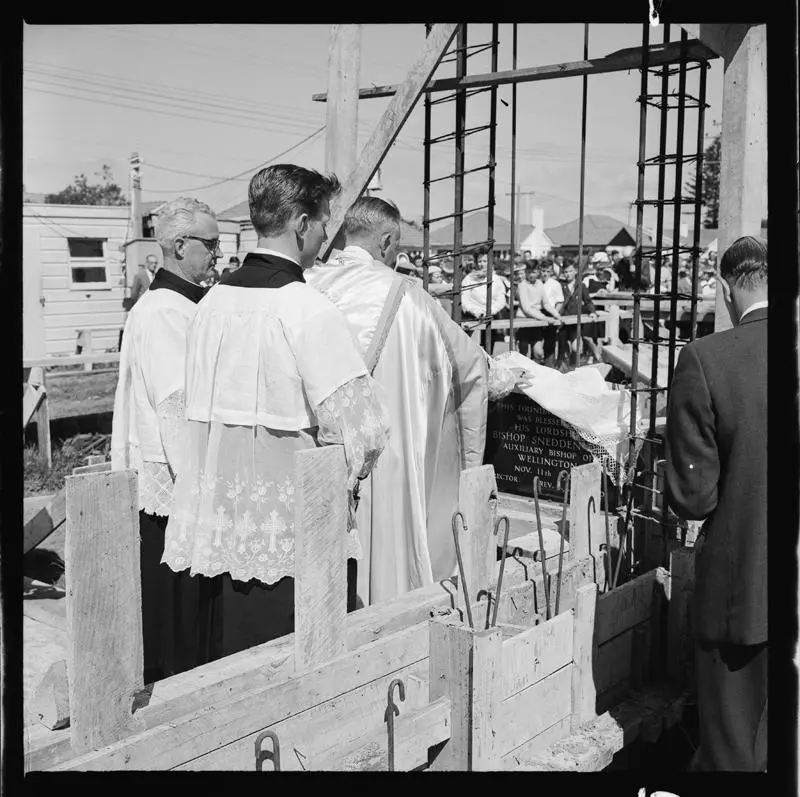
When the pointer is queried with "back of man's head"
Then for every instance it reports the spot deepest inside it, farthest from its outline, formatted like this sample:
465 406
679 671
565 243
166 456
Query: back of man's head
279 193
369 216
744 264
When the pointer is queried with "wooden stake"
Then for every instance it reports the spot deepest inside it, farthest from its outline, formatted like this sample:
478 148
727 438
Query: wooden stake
583 647
104 598
476 489
584 482
43 425
320 531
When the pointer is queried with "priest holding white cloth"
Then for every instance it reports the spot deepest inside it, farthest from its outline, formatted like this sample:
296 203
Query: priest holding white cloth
272 369
434 378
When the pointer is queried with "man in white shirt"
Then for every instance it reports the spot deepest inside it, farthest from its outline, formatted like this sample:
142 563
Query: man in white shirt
272 369
147 429
435 382
535 302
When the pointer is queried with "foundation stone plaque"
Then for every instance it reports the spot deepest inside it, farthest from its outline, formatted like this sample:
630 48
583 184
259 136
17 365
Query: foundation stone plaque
524 440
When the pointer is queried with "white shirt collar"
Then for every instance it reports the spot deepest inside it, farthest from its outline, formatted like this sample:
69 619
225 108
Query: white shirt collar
262 250
754 306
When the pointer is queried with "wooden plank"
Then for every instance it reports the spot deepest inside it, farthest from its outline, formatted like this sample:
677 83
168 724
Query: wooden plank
585 484
104 596
477 501
592 747
451 647
341 129
486 694
613 661
31 401
43 425
743 138
536 653
45 522
221 722
51 699
523 603
72 359
679 587
95 459
261 665
620 61
557 731
529 712
414 733
625 606
306 736
100 467
583 654
390 124
320 537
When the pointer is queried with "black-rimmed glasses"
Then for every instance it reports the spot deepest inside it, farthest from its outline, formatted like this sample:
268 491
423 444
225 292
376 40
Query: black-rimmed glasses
212 244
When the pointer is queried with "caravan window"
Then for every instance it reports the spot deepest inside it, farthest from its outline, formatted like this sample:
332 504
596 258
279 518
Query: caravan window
87 263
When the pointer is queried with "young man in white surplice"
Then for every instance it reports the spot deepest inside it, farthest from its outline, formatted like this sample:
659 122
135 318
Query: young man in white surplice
272 368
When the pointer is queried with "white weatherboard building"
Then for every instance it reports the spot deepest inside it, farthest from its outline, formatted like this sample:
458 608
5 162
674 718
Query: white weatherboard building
74 274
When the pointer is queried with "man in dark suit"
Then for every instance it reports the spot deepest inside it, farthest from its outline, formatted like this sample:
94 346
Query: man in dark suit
717 471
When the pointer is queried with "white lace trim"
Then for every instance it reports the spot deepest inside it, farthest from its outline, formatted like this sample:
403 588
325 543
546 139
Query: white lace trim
233 503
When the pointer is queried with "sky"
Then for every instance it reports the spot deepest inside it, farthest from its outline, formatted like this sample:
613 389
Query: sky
204 103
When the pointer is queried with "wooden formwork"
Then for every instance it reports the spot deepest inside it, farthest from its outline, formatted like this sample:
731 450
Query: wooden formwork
482 698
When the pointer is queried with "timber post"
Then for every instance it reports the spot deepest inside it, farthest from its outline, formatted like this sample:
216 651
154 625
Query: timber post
466 666
105 655
320 579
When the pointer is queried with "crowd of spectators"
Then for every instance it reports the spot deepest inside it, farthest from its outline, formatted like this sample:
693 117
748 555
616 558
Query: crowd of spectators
546 289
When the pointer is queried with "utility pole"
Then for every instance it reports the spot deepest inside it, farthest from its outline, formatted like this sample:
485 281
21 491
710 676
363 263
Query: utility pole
136 194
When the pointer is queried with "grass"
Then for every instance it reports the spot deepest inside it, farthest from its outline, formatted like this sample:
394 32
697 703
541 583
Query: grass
80 393
41 480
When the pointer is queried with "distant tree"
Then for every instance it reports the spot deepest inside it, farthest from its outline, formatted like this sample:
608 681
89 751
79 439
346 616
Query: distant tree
710 198
106 192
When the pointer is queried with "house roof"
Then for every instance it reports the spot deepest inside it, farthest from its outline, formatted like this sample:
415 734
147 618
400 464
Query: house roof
476 229
598 230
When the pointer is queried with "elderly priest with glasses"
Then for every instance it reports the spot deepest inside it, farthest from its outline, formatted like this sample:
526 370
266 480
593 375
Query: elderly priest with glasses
147 431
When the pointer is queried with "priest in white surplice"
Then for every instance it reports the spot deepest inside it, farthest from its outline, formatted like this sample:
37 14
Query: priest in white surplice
434 379
272 368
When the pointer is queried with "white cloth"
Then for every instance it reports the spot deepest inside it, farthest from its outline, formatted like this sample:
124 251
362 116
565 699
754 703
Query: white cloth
434 378
270 372
147 423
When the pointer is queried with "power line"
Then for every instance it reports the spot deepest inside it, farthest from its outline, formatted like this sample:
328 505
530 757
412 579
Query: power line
192 103
207 120
197 111
237 176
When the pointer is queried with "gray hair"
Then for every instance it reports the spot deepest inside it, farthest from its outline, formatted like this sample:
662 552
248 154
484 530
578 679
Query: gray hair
176 218
371 214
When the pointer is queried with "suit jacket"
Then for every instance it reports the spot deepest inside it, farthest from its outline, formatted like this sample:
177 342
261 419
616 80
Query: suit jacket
579 293
717 471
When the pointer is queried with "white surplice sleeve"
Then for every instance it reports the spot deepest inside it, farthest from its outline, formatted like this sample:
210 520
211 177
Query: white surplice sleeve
355 416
